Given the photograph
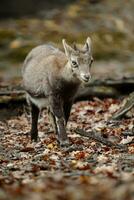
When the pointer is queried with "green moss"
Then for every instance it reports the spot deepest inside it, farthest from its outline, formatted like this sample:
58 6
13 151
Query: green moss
6 36
19 54
109 45
106 45
131 45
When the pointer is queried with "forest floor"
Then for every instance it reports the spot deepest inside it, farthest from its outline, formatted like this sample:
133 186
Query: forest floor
88 170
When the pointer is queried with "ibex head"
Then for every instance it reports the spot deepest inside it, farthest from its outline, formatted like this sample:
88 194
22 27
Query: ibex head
80 60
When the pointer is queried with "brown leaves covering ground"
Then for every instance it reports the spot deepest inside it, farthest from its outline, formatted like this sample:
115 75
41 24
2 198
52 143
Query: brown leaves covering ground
88 170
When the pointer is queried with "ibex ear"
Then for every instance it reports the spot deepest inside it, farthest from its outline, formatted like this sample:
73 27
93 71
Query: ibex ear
87 46
68 49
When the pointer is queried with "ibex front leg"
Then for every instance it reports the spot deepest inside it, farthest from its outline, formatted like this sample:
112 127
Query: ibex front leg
56 107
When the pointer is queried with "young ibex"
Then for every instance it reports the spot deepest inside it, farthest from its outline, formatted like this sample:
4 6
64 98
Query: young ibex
51 79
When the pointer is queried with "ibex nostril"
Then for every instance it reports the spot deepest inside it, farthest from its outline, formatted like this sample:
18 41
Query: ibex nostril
86 76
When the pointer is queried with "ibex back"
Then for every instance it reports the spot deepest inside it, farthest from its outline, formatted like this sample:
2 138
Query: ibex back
51 79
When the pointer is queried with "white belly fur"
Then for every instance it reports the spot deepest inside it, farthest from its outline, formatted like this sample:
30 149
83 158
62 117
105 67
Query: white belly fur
39 102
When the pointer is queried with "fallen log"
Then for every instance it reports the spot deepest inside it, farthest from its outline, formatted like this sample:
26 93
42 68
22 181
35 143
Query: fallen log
101 88
14 96
107 88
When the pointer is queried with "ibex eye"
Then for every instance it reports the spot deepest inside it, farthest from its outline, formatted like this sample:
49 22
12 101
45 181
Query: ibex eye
74 63
92 60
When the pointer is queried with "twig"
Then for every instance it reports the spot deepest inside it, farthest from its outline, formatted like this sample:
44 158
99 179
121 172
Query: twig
73 148
94 136
128 133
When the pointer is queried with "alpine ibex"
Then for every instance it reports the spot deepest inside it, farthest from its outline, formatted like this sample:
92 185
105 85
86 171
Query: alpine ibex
51 79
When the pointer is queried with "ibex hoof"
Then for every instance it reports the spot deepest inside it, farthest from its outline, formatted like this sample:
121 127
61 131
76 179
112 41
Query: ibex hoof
64 143
34 137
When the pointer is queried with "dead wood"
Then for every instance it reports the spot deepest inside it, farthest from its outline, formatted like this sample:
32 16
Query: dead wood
125 108
100 88
107 88
95 136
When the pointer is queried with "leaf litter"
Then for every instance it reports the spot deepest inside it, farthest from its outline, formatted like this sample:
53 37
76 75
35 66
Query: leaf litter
86 170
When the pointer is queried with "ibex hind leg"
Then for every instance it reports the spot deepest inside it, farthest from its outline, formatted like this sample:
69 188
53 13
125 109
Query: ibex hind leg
67 109
34 122
52 120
